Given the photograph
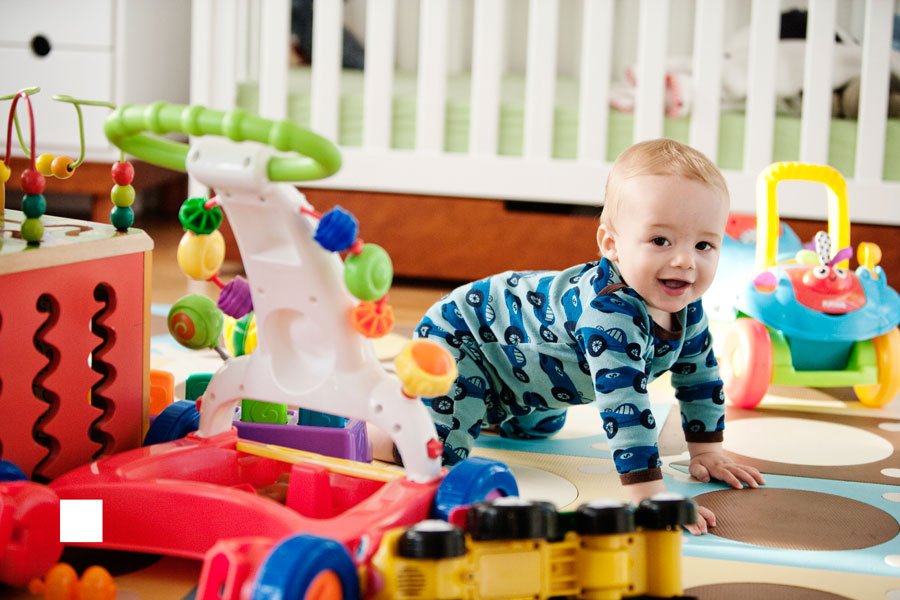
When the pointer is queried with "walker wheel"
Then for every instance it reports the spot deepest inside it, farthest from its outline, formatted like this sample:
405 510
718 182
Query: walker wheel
747 362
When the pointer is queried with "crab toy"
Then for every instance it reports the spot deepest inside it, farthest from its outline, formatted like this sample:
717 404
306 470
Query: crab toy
811 321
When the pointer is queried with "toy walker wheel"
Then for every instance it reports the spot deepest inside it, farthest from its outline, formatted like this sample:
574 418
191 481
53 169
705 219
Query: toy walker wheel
473 480
173 423
747 362
426 369
887 357
307 567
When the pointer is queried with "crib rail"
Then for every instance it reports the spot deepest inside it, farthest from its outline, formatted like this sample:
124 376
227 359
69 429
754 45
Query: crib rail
587 40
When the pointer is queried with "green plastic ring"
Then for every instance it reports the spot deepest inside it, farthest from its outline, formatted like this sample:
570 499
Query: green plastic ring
128 126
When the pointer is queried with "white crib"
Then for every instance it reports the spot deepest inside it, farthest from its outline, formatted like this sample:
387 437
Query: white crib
548 41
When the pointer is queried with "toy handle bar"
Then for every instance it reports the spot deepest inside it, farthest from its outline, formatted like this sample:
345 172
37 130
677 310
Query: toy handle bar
767 207
129 128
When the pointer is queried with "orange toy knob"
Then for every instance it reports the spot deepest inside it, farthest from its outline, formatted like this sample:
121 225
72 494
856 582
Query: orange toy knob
425 369
373 319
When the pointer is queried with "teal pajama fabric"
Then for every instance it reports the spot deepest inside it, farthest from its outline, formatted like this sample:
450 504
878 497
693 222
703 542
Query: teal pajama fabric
529 345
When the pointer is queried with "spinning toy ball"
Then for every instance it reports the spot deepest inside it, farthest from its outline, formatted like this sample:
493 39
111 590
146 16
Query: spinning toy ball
425 369
201 256
368 275
195 322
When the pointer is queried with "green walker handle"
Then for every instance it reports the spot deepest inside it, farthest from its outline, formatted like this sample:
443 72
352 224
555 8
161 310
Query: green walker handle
128 126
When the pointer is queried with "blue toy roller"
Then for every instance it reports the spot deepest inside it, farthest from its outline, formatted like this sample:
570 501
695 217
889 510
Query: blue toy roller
176 421
307 566
10 472
473 480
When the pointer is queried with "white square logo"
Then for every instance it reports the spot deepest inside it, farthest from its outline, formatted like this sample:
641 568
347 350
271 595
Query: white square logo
80 521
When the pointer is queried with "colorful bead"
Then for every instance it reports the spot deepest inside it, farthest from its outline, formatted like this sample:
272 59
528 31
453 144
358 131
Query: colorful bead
235 299
122 195
32 182
121 217
122 172
34 206
368 275
240 334
60 167
195 217
5 172
201 256
32 230
337 230
195 322
44 164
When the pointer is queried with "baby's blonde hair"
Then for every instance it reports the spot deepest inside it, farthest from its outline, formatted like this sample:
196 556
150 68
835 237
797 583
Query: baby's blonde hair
657 157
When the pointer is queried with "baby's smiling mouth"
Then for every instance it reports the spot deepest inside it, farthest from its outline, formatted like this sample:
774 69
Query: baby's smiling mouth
674 287
675 284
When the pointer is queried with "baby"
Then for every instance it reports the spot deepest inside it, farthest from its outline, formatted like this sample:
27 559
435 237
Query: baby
530 345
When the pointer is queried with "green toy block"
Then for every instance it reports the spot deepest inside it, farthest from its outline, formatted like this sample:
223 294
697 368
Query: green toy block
256 411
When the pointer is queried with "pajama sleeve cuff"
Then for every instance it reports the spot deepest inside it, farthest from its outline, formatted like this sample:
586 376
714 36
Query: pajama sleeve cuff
640 476
704 436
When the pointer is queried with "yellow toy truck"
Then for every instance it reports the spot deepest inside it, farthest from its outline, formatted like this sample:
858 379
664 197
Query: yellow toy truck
510 548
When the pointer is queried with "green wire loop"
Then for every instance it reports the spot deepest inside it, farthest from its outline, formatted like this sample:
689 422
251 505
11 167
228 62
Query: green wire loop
77 104
30 91
128 128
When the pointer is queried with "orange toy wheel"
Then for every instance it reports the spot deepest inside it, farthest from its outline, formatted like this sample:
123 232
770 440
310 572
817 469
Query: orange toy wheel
747 363
325 586
887 357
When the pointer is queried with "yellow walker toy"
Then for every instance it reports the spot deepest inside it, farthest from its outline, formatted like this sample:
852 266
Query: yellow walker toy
810 321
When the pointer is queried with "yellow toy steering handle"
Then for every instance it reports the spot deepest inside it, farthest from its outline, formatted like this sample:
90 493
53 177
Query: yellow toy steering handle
767 207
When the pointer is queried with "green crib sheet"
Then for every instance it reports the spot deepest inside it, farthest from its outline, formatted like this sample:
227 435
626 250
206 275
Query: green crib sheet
842 146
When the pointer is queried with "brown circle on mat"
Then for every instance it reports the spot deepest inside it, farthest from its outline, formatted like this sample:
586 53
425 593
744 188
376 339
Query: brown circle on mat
797 519
758 591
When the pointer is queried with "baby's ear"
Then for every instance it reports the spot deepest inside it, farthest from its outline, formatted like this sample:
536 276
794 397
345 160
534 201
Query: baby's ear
606 242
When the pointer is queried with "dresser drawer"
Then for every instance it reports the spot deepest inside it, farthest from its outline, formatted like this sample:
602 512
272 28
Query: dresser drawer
83 75
85 24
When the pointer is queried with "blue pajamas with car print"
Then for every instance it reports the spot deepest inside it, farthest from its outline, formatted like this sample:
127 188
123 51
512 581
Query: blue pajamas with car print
529 345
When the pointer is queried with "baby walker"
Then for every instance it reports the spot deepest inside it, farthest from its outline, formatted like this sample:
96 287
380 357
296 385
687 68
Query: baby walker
810 321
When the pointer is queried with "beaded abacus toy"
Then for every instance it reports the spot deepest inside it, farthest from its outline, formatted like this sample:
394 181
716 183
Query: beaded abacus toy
62 167
74 308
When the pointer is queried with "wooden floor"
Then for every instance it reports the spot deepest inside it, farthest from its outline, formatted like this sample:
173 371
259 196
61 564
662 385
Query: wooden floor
409 300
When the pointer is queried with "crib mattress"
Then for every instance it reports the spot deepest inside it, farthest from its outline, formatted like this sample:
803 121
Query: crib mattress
842 146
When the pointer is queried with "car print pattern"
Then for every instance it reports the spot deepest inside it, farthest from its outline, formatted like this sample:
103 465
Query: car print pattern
528 345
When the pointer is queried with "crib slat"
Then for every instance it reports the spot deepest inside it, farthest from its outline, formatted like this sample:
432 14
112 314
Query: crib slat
816 109
379 73
213 53
540 77
649 100
328 23
596 60
707 71
759 127
873 97
486 72
275 35
431 95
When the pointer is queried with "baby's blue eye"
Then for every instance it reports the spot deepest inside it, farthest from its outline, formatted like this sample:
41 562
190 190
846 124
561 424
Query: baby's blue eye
660 241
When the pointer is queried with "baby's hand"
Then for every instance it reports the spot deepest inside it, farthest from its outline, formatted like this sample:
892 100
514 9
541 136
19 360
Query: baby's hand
715 465
705 520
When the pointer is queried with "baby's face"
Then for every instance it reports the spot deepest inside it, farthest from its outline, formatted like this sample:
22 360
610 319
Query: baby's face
667 238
